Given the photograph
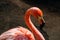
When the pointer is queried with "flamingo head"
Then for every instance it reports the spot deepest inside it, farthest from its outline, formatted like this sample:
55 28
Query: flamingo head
37 13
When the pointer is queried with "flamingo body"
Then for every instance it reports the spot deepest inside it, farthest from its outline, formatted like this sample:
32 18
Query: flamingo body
18 33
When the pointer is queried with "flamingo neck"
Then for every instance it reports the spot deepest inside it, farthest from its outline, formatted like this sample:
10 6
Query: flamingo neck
31 26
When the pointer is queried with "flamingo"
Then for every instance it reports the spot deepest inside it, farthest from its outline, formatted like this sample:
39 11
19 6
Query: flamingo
21 33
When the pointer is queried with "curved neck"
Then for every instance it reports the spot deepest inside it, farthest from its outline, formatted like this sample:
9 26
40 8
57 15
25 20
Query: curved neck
31 26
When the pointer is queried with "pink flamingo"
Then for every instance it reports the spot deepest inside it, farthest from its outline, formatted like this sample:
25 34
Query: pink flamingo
21 33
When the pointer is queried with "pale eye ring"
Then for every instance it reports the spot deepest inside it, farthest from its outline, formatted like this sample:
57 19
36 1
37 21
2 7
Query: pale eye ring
40 17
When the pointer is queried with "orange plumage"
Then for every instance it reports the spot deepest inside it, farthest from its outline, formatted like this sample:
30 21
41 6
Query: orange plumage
21 33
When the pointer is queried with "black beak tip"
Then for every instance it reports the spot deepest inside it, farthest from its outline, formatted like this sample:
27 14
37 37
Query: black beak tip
42 25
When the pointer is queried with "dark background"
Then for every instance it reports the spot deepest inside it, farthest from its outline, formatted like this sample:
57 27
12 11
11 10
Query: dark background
12 15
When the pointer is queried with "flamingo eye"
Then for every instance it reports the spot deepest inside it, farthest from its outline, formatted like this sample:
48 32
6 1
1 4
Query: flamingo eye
40 17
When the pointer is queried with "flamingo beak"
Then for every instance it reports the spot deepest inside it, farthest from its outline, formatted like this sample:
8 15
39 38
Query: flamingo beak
41 21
